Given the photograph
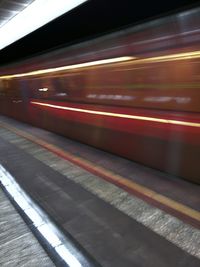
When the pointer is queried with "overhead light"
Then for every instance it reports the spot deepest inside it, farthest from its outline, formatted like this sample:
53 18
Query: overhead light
34 16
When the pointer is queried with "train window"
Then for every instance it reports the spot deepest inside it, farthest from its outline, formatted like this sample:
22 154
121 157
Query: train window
2 91
59 87
6 88
70 85
39 88
186 22
4 84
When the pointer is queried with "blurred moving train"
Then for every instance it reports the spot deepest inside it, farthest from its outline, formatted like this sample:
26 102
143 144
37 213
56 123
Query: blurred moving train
135 93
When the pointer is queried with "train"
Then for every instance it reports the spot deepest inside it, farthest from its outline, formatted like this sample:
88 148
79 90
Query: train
133 92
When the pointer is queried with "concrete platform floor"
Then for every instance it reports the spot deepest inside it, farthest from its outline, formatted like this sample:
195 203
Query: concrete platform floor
18 246
115 227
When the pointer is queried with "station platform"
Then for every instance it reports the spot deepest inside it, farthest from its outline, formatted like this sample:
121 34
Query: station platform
18 246
115 212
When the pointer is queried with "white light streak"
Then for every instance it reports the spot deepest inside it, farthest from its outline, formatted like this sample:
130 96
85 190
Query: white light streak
43 89
34 16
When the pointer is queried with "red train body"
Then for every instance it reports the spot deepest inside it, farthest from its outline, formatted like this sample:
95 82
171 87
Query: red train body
135 93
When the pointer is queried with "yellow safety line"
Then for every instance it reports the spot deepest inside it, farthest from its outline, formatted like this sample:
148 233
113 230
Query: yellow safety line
172 204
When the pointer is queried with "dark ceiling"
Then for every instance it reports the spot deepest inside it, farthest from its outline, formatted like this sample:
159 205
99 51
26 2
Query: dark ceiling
93 18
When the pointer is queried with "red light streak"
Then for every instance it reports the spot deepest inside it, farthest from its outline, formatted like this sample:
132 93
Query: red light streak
119 115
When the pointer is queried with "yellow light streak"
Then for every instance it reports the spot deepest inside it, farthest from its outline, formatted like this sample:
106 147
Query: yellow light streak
120 115
69 67
127 59
172 57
